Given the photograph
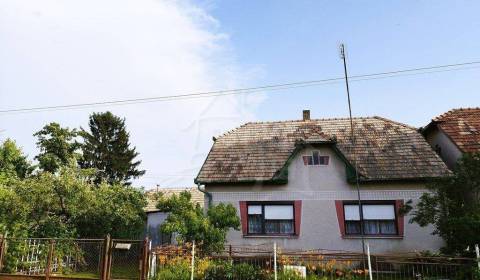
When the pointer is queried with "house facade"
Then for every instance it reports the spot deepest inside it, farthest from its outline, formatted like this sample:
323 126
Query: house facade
454 133
294 183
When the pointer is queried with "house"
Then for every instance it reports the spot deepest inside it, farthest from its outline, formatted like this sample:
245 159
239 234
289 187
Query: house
294 182
454 133
155 217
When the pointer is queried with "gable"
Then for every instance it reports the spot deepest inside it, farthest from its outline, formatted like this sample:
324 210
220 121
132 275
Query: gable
462 126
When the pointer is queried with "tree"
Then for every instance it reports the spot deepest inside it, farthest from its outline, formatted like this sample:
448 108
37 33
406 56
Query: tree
189 221
117 210
107 148
13 161
58 147
453 206
67 204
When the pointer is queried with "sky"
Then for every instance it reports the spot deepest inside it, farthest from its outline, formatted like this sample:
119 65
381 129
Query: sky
55 52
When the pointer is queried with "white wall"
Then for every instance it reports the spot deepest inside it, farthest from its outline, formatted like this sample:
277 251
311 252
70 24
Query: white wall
449 151
318 187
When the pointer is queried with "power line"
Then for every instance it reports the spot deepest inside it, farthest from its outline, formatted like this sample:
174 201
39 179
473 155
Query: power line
272 87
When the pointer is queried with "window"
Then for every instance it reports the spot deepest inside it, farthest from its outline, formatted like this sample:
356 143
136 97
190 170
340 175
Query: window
378 218
271 219
315 159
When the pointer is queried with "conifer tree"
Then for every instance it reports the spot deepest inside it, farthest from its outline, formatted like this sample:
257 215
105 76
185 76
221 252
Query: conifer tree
106 147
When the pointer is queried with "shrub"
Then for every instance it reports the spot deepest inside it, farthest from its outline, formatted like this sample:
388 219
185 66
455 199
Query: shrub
219 271
178 269
246 271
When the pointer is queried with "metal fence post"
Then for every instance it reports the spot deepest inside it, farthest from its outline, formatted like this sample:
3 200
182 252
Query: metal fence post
477 252
48 269
193 260
369 262
275 260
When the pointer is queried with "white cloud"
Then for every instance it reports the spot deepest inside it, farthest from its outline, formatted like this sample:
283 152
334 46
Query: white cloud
61 52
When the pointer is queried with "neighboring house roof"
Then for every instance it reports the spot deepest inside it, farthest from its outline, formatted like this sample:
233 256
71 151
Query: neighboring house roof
261 151
462 126
197 196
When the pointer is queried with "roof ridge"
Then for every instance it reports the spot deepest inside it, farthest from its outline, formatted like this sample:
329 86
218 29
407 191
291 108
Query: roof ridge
311 120
453 110
395 122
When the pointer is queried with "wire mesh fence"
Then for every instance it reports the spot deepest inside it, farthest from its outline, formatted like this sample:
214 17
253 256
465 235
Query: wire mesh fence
263 262
73 258
134 259
37 256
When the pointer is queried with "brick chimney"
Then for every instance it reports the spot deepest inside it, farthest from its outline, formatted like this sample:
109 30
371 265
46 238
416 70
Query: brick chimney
306 115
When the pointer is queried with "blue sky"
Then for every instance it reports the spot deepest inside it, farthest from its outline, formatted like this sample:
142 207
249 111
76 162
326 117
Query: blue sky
63 52
298 40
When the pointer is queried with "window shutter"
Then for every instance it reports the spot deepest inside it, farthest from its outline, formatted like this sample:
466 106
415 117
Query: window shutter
297 206
340 216
244 216
400 218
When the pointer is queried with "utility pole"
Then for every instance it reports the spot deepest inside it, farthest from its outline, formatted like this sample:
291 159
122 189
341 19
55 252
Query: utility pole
353 139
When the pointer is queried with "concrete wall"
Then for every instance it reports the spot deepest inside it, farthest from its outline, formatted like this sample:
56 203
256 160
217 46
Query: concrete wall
318 187
449 151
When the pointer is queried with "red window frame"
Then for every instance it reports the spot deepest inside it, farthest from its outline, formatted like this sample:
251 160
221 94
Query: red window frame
297 216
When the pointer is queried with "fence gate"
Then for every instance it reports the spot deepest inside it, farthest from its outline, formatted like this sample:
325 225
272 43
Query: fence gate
128 259
57 258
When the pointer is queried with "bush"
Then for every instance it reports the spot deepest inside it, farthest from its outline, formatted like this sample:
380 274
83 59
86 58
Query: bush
246 271
219 271
178 269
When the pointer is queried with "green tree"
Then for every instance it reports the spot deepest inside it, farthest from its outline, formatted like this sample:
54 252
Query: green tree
189 221
117 210
453 206
58 147
13 161
68 204
107 148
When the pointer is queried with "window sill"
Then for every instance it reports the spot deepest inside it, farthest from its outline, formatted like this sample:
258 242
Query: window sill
373 237
269 236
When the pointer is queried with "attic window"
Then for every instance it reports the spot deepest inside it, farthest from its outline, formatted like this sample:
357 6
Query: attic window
315 159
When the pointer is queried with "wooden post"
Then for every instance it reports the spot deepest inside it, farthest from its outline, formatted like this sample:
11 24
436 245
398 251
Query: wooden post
48 269
2 250
144 259
106 258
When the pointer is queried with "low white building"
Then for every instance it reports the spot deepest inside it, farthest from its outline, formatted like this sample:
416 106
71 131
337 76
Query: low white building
156 218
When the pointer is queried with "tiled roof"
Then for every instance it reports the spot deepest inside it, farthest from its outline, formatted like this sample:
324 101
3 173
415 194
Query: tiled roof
463 128
385 150
197 196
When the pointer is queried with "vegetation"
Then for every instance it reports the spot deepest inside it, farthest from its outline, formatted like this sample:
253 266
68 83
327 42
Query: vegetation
453 207
58 147
68 204
13 163
207 268
59 197
106 147
190 223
